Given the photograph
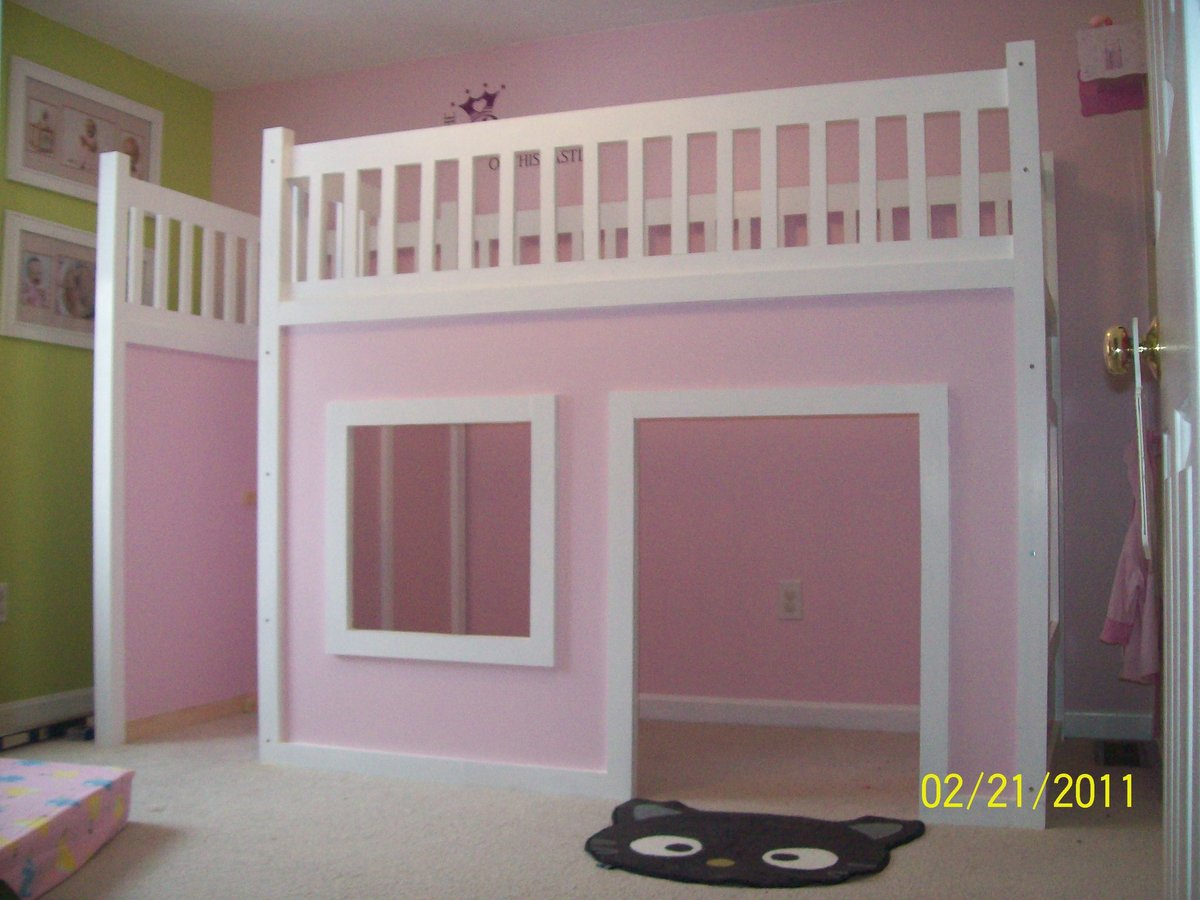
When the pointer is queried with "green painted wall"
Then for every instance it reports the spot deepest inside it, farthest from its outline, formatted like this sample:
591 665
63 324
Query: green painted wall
46 389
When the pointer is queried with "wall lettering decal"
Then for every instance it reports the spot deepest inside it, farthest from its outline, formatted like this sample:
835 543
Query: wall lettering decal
482 108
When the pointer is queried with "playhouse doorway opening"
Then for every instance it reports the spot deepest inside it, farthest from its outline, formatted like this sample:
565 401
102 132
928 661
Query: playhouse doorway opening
779 595
787 577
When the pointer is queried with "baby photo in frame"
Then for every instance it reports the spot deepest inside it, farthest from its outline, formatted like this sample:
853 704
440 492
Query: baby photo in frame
49 282
58 127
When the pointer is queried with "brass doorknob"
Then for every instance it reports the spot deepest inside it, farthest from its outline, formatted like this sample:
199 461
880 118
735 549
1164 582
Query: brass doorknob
1119 350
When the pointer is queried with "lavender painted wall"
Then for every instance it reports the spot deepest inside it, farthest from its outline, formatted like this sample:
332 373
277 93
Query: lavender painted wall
1103 274
189 535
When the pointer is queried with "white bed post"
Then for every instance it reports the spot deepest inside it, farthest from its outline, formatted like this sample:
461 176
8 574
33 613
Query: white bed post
1032 476
276 249
108 464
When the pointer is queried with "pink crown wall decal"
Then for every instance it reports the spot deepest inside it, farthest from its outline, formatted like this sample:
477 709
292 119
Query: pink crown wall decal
481 108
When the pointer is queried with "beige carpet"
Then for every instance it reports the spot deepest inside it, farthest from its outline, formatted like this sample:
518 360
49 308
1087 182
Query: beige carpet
208 821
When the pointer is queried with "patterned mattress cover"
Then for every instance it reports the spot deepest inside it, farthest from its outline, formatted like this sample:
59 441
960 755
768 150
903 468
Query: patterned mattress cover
53 817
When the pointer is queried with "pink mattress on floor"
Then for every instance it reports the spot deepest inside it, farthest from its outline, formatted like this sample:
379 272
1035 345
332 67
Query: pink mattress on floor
53 817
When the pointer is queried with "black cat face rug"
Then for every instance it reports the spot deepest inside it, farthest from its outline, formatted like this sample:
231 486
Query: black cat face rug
672 840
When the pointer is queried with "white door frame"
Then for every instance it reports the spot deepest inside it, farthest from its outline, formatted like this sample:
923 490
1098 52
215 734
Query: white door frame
927 401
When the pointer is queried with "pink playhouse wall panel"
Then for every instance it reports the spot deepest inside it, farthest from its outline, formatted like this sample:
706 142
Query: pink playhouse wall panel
729 508
555 717
189 530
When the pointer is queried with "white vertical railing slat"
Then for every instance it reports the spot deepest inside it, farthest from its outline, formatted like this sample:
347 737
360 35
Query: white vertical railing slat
385 228
768 175
968 214
349 244
635 199
162 259
466 216
427 218
724 214
315 259
818 189
187 253
207 272
591 201
867 181
679 193
548 208
506 227
918 206
137 251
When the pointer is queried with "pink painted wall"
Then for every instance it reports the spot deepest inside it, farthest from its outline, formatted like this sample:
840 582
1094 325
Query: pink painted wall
366 583
728 508
498 521
189 535
1102 214
555 717
422 521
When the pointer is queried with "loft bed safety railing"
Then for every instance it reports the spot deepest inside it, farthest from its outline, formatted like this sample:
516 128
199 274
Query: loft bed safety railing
944 211
330 206
167 256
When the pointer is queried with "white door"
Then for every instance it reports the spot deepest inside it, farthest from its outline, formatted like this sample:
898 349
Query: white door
1173 41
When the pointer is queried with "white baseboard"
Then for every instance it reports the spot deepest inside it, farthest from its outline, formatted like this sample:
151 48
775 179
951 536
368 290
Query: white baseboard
1109 726
543 779
795 714
24 715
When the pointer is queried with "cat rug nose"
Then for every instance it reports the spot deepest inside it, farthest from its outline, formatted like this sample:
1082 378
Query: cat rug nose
720 862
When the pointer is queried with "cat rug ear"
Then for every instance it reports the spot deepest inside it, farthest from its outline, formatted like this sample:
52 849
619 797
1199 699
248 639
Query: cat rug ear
638 810
889 832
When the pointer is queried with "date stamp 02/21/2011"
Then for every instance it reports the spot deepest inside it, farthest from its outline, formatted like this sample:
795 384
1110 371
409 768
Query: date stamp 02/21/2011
1061 791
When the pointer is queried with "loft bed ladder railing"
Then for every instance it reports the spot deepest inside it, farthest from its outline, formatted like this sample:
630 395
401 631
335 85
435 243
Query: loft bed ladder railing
179 254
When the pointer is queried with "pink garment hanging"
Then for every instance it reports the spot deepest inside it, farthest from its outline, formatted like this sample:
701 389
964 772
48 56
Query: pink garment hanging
1133 605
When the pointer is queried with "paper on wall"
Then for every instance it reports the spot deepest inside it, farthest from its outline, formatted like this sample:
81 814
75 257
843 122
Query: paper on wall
1111 52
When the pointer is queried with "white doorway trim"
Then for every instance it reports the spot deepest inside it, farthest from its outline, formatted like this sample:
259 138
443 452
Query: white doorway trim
927 401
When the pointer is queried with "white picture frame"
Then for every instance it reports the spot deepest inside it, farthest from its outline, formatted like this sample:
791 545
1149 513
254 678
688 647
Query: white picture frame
58 126
49 282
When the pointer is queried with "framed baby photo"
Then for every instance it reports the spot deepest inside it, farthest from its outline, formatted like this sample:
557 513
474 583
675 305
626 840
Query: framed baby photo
58 126
49 282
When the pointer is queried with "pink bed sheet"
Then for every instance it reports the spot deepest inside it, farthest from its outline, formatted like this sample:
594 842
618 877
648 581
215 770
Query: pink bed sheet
54 817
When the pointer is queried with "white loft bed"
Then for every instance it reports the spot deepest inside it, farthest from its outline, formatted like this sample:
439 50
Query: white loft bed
371 181
348 181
